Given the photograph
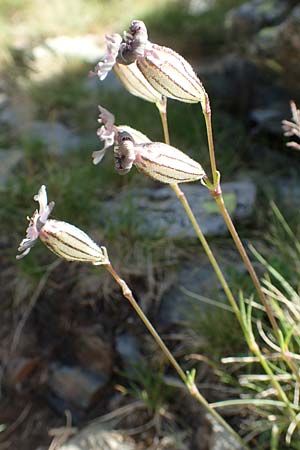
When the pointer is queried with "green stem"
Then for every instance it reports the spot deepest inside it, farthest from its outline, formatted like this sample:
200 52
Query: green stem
187 381
227 219
264 363
162 108
216 192
182 198
207 115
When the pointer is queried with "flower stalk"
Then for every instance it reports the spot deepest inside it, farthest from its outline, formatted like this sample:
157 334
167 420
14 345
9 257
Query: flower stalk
186 378
240 313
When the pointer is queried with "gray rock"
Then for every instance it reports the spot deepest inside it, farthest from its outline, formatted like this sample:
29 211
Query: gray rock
281 44
286 192
56 137
95 437
176 305
158 213
128 349
251 16
268 32
74 387
220 438
87 48
269 119
9 159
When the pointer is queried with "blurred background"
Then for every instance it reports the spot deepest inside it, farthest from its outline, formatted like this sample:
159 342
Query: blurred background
71 349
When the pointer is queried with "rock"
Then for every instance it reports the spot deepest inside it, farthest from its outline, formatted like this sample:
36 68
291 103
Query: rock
74 388
251 16
53 56
128 349
281 44
88 48
176 306
95 437
268 32
269 119
157 212
286 192
9 159
220 438
56 137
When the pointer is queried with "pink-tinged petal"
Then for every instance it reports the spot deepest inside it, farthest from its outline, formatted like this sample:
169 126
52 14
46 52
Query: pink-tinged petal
36 222
104 66
106 133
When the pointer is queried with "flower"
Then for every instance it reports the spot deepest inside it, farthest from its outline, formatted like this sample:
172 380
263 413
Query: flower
36 222
129 74
167 72
292 128
63 239
108 133
157 160
113 42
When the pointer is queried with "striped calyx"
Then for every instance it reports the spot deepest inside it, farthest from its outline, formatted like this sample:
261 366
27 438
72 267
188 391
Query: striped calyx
171 75
167 72
135 82
71 243
61 238
157 160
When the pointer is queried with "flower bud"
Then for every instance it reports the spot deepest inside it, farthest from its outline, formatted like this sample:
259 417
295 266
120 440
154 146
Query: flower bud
168 72
63 239
157 160
71 243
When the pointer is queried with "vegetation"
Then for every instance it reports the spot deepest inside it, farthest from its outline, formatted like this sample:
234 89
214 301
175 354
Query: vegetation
271 419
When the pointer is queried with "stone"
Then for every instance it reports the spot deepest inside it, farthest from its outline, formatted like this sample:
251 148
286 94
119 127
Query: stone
270 118
55 136
176 305
251 16
96 437
220 438
281 44
267 31
74 387
53 56
9 160
158 213
128 349
88 48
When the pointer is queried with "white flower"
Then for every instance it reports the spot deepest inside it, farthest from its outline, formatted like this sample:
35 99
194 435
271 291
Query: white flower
63 239
108 133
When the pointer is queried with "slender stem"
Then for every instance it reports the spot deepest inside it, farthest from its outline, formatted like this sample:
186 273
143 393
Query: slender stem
162 108
276 385
207 115
220 201
194 391
181 196
216 192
